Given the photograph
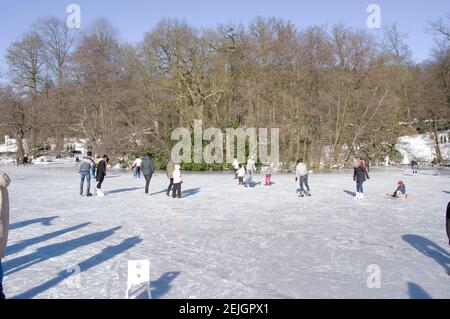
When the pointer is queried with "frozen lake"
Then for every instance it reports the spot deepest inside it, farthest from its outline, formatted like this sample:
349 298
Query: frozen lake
225 241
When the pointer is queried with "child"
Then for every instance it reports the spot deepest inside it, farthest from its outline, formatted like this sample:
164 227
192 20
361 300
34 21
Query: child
301 173
241 174
177 181
400 192
268 176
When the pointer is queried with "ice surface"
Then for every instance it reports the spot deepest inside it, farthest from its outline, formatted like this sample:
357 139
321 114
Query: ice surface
226 241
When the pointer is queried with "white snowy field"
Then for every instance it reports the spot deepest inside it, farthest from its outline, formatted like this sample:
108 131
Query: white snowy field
225 241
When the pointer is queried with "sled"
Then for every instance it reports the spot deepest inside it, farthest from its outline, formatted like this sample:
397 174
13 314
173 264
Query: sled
407 196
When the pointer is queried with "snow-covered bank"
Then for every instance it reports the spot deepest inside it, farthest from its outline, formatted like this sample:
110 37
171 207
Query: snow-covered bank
423 147
225 241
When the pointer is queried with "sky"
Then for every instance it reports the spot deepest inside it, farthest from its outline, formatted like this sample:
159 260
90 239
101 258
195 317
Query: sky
135 17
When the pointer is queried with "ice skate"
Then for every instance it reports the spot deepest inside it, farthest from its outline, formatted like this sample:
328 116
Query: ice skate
100 193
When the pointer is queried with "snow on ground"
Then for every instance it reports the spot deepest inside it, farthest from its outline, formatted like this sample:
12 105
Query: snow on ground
422 147
224 241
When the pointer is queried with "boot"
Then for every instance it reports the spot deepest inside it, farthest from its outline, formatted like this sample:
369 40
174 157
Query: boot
100 193
357 197
361 196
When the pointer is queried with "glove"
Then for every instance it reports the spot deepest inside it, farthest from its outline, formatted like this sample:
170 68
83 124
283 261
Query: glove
296 179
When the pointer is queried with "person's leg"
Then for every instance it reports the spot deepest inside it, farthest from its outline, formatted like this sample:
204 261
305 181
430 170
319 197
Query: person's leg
81 183
99 184
170 187
179 190
302 183
448 230
148 178
306 183
174 190
88 180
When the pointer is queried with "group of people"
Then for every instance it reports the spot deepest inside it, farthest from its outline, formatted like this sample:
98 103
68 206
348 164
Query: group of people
88 168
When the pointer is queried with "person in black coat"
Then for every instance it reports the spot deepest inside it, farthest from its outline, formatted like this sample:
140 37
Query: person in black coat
414 166
101 173
448 222
360 175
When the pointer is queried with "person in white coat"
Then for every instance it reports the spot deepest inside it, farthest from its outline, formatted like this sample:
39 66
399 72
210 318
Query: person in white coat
236 167
4 223
251 168
301 176
177 181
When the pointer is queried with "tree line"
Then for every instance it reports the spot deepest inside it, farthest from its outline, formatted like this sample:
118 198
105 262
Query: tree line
333 91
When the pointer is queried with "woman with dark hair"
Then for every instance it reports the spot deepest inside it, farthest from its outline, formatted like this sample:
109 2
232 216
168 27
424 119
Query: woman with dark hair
360 175
101 173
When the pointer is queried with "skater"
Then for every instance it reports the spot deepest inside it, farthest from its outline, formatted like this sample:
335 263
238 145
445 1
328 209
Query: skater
148 168
448 222
251 167
137 167
241 174
177 181
414 166
4 223
169 171
434 165
86 167
101 173
268 181
359 176
301 173
236 166
400 192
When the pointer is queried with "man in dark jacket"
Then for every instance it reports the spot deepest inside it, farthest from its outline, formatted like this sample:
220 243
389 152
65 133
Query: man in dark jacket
101 173
448 222
147 168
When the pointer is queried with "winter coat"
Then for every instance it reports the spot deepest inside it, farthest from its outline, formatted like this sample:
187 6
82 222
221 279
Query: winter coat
236 164
147 166
137 163
177 175
360 174
401 189
241 172
169 169
251 165
101 170
414 164
87 164
4 212
301 170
